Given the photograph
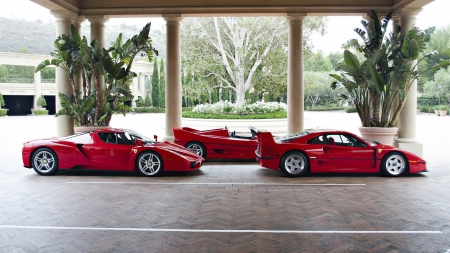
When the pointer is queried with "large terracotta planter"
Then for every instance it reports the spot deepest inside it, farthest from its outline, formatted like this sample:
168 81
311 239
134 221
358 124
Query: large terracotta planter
442 112
383 135
81 129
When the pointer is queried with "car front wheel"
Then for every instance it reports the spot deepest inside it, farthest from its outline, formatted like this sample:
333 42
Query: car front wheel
394 164
45 161
197 148
294 164
149 164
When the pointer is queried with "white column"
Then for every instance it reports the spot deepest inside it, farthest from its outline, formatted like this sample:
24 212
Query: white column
78 78
98 33
407 119
135 92
38 88
173 74
142 85
64 124
295 92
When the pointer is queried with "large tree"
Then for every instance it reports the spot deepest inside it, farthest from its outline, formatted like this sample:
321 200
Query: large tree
240 52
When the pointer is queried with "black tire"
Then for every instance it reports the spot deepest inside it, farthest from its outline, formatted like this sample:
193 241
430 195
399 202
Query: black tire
197 148
44 161
394 164
294 164
149 164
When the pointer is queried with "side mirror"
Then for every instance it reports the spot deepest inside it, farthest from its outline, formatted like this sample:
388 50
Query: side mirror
138 142
155 137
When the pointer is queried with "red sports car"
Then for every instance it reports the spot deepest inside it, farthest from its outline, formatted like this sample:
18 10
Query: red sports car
217 143
333 151
108 149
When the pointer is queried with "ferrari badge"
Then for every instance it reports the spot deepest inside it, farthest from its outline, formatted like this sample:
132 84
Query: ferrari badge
379 150
135 151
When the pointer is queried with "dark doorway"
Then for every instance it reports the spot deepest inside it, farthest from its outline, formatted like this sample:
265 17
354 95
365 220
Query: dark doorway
18 105
51 104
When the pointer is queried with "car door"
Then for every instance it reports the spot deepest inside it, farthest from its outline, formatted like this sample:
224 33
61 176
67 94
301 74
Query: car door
229 147
349 153
320 160
110 151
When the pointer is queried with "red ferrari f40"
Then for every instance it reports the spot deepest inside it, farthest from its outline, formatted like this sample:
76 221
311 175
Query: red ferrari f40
333 151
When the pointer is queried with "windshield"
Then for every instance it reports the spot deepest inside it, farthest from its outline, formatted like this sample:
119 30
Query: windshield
132 135
372 143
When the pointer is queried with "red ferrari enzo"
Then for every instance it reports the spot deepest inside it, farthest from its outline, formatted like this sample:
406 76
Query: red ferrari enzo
217 143
333 151
108 149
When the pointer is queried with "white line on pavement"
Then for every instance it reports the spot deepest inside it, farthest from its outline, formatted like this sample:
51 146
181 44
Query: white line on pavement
208 183
225 230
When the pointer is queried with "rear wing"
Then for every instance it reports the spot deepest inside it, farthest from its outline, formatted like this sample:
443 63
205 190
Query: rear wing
266 143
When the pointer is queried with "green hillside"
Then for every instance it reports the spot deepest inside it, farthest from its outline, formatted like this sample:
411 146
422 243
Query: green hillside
37 38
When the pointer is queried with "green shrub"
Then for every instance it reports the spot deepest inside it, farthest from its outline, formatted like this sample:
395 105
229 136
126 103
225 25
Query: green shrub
270 115
140 102
186 109
444 108
3 112
2 101
350 109
41 112
41 101
149 110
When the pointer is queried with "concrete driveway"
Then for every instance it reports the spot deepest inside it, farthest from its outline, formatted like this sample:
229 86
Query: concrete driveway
224 207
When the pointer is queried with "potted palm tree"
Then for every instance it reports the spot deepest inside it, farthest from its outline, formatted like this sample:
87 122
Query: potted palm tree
87 105
379 83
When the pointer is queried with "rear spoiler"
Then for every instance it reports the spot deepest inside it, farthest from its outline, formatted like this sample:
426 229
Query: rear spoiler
265 137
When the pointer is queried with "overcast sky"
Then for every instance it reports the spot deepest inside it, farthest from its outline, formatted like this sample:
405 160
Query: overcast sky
340 29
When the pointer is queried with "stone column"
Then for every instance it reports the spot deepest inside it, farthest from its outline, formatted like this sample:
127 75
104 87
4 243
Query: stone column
295 89
64 124
78 78
173 74
135 92
98 33
142 85
407 120
38 88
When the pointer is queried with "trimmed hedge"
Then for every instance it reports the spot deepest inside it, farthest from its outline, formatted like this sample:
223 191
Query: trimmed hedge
41 112
157 109
273 115
350 109
3 112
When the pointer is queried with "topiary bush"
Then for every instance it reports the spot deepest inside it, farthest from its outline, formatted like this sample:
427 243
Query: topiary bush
41 101
350 109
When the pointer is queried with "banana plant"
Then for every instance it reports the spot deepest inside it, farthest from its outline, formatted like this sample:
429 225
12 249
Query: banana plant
380 83
87 105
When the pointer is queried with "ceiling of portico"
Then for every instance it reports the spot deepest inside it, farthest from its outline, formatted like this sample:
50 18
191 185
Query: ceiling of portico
128 8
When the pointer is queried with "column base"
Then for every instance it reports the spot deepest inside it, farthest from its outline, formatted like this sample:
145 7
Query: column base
410 145
169 138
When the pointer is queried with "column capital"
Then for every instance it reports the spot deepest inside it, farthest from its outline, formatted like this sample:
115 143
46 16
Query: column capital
296 17
173 18
78 20
63 15
97 20
408 12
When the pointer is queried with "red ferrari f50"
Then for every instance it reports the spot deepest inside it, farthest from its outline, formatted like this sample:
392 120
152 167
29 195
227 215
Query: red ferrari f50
108 149
333 151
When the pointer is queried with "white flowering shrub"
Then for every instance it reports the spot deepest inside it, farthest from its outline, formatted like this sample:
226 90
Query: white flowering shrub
225 107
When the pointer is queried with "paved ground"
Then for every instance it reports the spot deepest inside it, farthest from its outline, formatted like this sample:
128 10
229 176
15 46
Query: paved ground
224 207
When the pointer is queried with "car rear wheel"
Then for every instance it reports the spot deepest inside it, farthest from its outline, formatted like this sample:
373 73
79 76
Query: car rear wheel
45 161
149 164
197 148
394 164
294 164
